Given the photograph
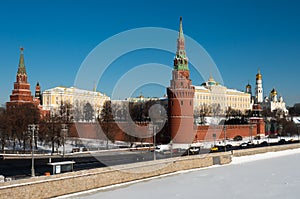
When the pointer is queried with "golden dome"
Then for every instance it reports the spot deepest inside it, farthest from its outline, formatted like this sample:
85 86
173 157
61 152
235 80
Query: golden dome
258 75
273 92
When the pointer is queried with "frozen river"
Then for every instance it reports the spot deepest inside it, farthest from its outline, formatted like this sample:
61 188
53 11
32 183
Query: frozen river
271 175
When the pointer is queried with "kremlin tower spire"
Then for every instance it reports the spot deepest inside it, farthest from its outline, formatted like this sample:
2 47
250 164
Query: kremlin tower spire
21 92
181 61
21 74
180 96
21 68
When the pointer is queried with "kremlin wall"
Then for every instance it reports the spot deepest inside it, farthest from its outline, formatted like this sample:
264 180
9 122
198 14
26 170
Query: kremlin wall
183 100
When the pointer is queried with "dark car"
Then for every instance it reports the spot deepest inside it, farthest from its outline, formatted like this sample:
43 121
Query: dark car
192 151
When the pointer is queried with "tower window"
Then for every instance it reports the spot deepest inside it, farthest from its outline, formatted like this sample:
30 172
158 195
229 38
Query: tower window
181 102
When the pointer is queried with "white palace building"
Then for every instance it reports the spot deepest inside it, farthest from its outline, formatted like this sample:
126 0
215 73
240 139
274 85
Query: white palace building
77 98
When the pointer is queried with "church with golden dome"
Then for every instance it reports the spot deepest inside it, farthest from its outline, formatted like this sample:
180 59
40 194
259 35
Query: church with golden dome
272 102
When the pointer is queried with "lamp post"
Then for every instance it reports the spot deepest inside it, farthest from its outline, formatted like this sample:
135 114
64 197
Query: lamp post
298 131
214 136
225 138
154 141
171 146
64 130
32 128
280 131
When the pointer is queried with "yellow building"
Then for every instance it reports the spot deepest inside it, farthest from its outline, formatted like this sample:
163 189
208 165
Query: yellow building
77 98
216 99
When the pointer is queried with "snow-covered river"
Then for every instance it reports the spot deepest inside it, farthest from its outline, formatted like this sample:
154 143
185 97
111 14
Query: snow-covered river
270 175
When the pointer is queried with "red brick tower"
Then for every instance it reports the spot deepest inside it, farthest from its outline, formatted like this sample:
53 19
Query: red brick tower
21 92
258 120
38 95
180 96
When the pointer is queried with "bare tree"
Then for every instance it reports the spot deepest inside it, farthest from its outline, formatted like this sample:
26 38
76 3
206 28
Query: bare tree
50 131
202 112
20 117
88 112
107 122
5 128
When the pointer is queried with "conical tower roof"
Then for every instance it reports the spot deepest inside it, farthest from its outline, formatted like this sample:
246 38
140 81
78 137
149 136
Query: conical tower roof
21 67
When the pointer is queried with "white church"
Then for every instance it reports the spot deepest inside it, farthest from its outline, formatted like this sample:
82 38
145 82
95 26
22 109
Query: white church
271 102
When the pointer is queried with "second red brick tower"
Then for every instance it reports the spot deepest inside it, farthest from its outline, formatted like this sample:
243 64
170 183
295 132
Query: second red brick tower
181 96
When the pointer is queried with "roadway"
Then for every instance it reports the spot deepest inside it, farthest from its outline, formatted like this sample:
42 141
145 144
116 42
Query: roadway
20 167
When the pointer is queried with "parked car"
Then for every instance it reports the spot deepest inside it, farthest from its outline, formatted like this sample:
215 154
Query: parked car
192 151
243 145
238 138
214 149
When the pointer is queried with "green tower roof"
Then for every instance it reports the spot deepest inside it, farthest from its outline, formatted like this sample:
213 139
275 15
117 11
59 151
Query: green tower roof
21 68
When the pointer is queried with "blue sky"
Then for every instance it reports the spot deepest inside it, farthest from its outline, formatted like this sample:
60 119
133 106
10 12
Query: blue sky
240 36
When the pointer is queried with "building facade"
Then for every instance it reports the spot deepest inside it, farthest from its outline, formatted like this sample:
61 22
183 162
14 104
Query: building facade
216 98
181 96
77 98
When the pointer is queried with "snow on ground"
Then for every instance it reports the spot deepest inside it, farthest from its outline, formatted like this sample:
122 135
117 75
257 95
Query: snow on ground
270 175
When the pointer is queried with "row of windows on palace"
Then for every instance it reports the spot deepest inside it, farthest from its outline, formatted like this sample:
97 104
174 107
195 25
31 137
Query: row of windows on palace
69 99
222 98
232 105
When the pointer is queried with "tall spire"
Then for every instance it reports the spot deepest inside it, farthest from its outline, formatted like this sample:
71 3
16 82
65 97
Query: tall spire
180 61
21 68
180 28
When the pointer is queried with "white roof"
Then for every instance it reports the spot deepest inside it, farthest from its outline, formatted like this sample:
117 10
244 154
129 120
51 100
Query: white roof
73 90
228 89
234 90
61 163
200 88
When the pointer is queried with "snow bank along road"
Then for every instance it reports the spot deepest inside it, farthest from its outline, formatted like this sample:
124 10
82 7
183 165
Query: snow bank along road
269 175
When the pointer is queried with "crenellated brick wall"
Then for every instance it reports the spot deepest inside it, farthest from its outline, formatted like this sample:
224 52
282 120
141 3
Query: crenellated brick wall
206 132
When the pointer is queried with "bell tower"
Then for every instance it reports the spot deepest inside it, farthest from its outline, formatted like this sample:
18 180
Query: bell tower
181 96
259 88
